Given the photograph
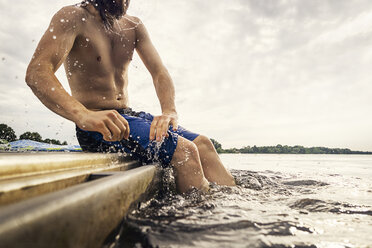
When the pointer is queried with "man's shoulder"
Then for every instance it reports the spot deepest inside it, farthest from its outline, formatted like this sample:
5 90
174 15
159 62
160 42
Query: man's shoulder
134 20
70 13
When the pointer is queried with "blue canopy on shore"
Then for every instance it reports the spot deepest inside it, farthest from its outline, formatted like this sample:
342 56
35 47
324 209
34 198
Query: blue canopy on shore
30 145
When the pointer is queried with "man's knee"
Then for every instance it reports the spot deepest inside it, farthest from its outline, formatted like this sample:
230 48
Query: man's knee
203 143
186 151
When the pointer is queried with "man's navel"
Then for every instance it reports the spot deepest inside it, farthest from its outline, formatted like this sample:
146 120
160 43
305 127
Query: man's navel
119 97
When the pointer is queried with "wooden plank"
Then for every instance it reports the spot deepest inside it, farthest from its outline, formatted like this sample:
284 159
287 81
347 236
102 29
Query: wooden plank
21 188
79 216
21 165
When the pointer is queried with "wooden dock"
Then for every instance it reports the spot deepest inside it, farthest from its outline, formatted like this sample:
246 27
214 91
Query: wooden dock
69 199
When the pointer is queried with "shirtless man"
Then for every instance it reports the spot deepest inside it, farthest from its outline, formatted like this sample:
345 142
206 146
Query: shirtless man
95 41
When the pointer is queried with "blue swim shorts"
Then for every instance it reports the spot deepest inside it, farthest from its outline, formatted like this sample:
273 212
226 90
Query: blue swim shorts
138 145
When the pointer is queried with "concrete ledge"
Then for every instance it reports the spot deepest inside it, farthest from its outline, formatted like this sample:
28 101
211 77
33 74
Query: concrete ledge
79 216
23 176
21 188
21 165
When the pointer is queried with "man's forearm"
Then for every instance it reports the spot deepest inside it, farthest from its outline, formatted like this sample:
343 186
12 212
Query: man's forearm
165 91
49 90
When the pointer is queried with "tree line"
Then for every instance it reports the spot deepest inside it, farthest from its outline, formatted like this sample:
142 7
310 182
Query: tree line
284 149
7 133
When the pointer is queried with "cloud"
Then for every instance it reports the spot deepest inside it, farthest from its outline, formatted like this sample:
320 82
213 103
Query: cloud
246 71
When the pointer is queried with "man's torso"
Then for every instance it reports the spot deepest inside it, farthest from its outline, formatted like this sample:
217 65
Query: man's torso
97 65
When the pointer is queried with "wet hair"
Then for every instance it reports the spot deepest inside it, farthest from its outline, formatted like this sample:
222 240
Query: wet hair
108 9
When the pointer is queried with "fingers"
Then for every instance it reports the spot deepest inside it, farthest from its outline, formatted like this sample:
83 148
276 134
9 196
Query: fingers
121 127
162 131
114 129
127 130
159 128
105 133
153 128
174 124
117 125
126 125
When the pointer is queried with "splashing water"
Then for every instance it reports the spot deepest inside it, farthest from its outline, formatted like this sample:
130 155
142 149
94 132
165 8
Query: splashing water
267 209
155 147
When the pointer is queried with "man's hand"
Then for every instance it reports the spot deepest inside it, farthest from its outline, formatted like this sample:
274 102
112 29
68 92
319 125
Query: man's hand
109 123
160 125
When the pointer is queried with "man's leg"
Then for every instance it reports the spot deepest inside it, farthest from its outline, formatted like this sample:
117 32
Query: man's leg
212 165
187 167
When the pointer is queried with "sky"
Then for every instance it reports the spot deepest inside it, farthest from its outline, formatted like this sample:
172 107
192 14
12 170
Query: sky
246 72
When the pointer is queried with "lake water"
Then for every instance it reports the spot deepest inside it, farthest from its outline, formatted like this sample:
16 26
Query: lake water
282 201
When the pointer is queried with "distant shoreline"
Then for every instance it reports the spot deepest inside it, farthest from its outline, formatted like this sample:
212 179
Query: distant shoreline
360 153
284 149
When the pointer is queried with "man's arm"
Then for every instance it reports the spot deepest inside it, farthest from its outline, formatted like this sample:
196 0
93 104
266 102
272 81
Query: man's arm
162 81
52 50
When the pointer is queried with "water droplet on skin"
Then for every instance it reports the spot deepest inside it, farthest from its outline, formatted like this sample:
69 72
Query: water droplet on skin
83 19
53 89
51 29
54 37
35 83
70 74
104 98
62 20
87 39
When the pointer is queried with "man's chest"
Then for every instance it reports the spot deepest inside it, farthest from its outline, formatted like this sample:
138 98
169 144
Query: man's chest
114 46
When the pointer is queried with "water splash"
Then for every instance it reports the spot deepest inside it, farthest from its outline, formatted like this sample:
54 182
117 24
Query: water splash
266 209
